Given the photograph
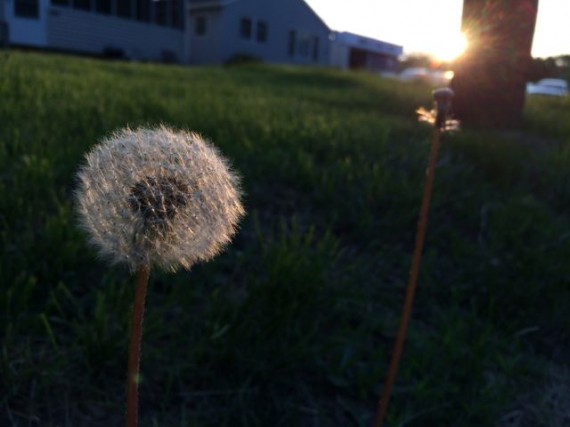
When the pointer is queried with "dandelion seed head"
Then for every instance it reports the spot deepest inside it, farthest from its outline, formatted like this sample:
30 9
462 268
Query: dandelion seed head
157 197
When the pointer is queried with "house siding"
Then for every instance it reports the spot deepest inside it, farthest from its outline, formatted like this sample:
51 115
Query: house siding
25 30
206 48
81 31
357 52
280 17
199 32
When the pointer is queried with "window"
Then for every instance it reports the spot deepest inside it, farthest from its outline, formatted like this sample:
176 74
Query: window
261 35
26 8
303 46
200 26
81 4
315 48
103 6
124 8
245 28
160 12
177 13
292 41
143 10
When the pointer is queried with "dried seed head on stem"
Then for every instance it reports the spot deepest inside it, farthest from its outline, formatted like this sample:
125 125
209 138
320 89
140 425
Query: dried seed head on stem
155 197
159 198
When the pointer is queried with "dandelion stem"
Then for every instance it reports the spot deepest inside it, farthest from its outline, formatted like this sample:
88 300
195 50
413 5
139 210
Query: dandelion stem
135 346
412 281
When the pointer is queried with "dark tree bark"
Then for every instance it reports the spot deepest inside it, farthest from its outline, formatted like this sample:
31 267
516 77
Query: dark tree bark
491 76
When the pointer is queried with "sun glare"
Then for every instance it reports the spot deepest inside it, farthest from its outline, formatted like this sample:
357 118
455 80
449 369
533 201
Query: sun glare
449 48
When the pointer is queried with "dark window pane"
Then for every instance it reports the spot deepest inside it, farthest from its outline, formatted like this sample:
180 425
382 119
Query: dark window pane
26 8
177 14
160 12
81 4
261 31
124 8
143 10
292 42
315 48
60 2
245 28
3 34
103 6
200 25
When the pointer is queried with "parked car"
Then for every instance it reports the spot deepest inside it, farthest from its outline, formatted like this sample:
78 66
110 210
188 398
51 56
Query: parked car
423 75
549 87
415 74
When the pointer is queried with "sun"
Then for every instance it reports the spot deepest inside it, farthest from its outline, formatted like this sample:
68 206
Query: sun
447 48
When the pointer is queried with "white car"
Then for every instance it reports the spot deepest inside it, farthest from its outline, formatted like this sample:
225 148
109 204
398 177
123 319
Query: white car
423 75
415 74
549 87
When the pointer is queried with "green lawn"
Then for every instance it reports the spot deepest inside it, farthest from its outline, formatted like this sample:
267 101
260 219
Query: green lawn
294 324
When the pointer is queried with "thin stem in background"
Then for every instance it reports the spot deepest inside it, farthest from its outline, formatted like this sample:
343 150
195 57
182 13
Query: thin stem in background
412 281
135 346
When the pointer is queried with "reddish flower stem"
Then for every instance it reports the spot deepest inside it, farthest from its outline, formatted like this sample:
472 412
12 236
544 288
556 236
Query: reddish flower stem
143 274
412 282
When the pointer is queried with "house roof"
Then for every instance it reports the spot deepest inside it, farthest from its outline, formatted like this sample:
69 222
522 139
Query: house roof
315 13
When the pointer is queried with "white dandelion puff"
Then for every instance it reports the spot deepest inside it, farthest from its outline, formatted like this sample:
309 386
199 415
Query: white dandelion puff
155 197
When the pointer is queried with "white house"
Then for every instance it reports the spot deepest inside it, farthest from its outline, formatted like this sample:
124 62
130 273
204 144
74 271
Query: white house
137 29
278 31
190 31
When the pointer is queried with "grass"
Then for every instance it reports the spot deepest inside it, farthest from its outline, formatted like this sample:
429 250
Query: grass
294 324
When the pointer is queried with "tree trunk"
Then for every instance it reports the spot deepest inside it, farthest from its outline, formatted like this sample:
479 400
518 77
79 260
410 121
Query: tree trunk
490 78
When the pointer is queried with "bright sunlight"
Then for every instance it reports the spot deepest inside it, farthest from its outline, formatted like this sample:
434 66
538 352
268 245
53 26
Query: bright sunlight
447 48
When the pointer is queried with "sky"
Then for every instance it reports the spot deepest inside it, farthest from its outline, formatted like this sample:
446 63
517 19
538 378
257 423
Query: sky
434 26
